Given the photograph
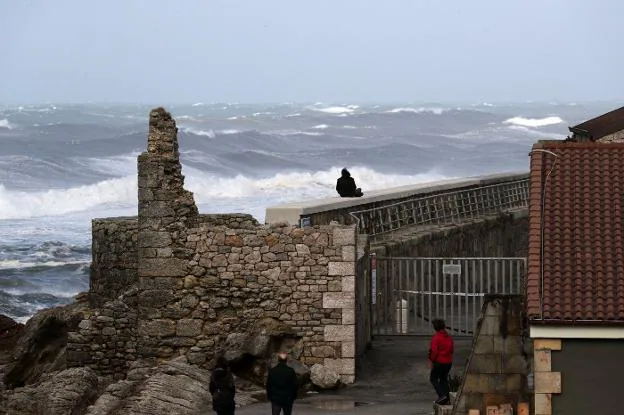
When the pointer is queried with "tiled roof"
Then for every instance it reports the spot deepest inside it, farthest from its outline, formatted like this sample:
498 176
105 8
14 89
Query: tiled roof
578 226
603 125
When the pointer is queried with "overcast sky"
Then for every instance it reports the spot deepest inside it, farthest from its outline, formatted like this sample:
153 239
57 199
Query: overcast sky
321 50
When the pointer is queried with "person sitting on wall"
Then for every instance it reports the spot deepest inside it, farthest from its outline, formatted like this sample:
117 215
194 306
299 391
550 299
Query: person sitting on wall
440 361
345 185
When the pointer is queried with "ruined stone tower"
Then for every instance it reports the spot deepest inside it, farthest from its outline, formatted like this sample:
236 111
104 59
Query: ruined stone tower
166 212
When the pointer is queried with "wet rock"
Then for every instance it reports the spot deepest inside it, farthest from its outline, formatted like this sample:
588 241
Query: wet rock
173 387
10 332
323 377
42 346
69 391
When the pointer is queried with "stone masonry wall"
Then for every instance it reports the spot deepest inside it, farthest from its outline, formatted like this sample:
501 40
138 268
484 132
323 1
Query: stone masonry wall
106 341
497 369
114 262
202 277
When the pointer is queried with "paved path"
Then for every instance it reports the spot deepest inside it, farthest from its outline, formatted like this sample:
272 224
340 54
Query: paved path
393 379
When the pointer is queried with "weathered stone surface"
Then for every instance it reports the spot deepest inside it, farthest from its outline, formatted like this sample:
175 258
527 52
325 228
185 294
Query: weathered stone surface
339 333
42 346
158 328
189 327
341 268
344 236
175 387
10 332
199 278
323 378
163 267
69 391
339 300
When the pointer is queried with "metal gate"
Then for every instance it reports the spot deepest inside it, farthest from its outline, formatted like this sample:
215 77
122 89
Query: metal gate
408 293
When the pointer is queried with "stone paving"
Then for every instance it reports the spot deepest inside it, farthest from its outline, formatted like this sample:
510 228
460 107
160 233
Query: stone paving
393 379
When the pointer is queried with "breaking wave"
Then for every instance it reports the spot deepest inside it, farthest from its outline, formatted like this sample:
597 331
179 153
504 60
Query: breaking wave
121 192
336 110
534 122
436 111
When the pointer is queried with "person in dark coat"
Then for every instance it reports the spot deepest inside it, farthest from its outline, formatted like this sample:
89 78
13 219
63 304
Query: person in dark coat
440 360
222 388
345 185
282 386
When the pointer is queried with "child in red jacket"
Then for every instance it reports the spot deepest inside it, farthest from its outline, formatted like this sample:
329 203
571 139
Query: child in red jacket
440 361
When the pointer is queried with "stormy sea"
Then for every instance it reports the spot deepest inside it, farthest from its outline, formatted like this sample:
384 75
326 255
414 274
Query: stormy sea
62 165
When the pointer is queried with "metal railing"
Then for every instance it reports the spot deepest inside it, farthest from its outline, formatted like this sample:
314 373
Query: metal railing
443 208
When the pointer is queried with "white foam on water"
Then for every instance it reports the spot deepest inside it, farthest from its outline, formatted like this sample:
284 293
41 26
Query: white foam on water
534 122
420 110
120 193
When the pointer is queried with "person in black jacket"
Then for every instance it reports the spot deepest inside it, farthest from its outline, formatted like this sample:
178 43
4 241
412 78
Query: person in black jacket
222 388
282 386
345 185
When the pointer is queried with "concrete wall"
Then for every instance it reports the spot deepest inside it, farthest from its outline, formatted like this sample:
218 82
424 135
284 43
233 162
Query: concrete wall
578 376
323 211
502 236
496 372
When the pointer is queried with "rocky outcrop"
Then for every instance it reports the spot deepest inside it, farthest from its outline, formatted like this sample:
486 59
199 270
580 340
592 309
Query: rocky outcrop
69 391
10 332
323 377
42 345
173 387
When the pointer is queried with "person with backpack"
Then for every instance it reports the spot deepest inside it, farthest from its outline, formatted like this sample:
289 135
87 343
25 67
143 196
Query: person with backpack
222 388
440 361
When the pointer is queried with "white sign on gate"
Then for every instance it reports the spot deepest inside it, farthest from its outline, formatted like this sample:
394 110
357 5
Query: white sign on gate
453 269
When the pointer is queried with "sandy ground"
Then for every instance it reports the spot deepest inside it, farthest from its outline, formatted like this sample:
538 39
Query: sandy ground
393 379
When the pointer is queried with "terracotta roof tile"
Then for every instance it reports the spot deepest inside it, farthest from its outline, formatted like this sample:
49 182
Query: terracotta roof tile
576 240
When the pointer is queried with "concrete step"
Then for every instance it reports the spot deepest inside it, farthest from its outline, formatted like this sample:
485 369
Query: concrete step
445 409
442 409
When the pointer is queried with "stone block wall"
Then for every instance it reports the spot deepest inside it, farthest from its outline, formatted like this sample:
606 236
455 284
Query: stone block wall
106 341
497 369
200 278
114 258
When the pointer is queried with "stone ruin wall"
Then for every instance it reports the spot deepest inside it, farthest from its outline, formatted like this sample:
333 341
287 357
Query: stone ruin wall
204 277
495 379
114 263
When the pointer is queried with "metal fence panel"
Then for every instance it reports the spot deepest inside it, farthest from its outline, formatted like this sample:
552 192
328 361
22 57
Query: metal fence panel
411 292
442 208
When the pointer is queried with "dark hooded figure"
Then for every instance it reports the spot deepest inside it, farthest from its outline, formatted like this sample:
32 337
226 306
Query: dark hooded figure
345 186
222 388
281 386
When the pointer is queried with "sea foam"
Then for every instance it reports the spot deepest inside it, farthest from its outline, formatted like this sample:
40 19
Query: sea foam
534 122
121 191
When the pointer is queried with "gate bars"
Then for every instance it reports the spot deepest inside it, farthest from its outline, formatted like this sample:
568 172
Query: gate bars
408 293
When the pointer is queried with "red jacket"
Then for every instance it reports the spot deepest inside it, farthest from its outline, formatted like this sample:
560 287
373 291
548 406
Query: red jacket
441 350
